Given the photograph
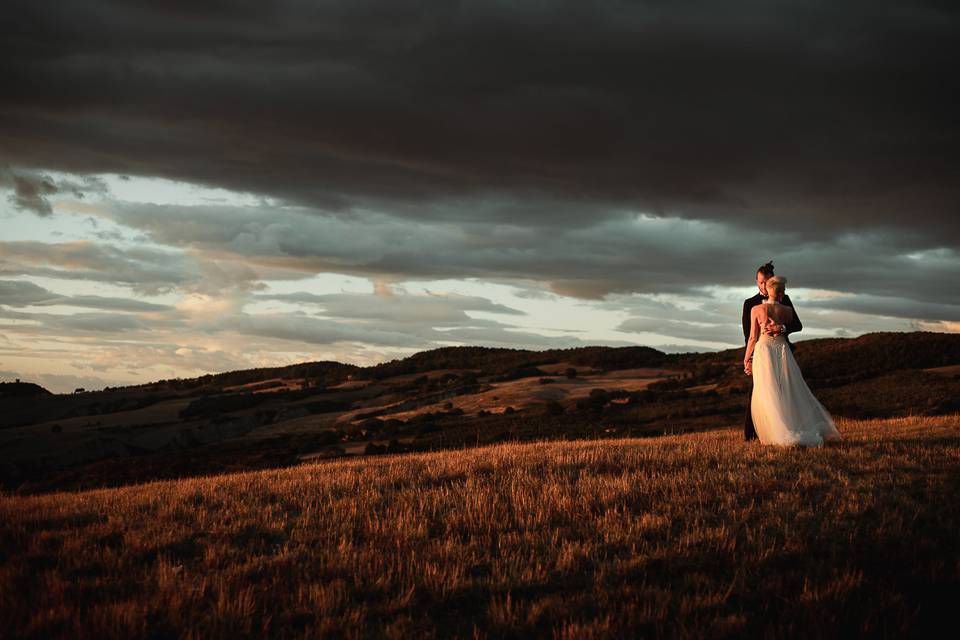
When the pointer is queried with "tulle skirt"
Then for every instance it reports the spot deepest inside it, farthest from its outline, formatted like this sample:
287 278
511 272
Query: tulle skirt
784 410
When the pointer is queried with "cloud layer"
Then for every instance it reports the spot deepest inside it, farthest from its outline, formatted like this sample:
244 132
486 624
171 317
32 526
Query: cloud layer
821 117
573 173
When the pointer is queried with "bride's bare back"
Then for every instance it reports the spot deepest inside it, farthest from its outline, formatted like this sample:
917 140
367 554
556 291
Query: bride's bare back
760 315
781 313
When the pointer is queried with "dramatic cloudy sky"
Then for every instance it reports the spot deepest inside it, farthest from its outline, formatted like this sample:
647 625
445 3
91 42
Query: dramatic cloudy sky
188 187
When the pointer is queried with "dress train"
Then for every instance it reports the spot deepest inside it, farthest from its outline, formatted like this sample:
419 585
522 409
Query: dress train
784 410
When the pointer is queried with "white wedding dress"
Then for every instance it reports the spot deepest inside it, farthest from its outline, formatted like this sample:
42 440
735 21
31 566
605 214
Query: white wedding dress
784 410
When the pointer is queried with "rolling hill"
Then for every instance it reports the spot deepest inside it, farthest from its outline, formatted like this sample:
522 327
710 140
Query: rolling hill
440 399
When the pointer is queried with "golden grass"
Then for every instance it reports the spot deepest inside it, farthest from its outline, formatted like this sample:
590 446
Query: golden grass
683 536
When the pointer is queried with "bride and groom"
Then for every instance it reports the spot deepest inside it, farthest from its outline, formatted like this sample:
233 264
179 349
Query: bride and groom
781 409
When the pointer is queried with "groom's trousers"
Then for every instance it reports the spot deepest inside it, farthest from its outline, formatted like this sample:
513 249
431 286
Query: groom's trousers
749 432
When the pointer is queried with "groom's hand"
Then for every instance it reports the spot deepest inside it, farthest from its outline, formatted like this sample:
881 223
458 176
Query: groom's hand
771 327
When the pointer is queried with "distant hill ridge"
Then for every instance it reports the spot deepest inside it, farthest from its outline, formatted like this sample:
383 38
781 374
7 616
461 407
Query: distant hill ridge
870 354
829 359
21 390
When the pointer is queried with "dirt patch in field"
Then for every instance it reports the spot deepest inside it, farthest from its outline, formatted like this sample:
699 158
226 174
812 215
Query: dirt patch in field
560 367
949 371
351 384
271 385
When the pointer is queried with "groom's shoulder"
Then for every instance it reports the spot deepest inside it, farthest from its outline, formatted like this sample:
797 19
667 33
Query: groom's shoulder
752 299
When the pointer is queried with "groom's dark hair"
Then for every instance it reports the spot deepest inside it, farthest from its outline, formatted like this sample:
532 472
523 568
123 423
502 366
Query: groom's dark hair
766 269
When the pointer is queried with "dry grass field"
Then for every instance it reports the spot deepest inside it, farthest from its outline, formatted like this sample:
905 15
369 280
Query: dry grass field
697 535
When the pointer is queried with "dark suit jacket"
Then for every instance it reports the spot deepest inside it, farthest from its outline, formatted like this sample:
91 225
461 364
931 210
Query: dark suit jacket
792 327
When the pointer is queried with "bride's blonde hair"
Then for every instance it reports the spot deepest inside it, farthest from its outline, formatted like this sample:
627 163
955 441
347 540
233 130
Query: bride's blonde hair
776 285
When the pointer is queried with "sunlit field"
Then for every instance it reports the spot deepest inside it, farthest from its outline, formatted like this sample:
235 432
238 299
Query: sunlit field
683 536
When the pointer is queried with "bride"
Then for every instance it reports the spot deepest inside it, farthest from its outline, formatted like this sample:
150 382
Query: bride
784 410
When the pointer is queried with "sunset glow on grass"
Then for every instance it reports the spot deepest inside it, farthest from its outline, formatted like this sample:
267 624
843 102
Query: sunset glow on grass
694 535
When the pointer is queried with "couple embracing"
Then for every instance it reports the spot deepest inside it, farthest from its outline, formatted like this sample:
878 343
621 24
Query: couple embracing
781 409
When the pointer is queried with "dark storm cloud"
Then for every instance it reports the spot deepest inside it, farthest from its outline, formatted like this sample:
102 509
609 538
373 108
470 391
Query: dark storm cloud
75 324
306 329
32 189
620 255
502 336
810 116
399 320
31 195
430 310
20 293
144 269
680 329
893 307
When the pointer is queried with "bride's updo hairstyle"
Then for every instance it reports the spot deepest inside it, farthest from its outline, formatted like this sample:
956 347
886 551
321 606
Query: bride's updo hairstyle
776 285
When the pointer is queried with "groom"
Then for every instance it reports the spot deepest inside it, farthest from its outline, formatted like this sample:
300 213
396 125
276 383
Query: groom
764 272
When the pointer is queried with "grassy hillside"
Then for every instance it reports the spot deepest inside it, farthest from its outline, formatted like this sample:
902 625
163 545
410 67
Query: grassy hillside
684 536
440 399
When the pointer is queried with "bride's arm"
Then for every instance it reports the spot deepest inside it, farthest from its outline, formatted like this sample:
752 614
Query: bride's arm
754 334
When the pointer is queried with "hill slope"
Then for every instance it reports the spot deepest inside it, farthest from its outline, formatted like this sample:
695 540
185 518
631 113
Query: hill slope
681 536
444 398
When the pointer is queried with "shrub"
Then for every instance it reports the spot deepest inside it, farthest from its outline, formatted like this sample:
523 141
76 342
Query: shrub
554 408
374 449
